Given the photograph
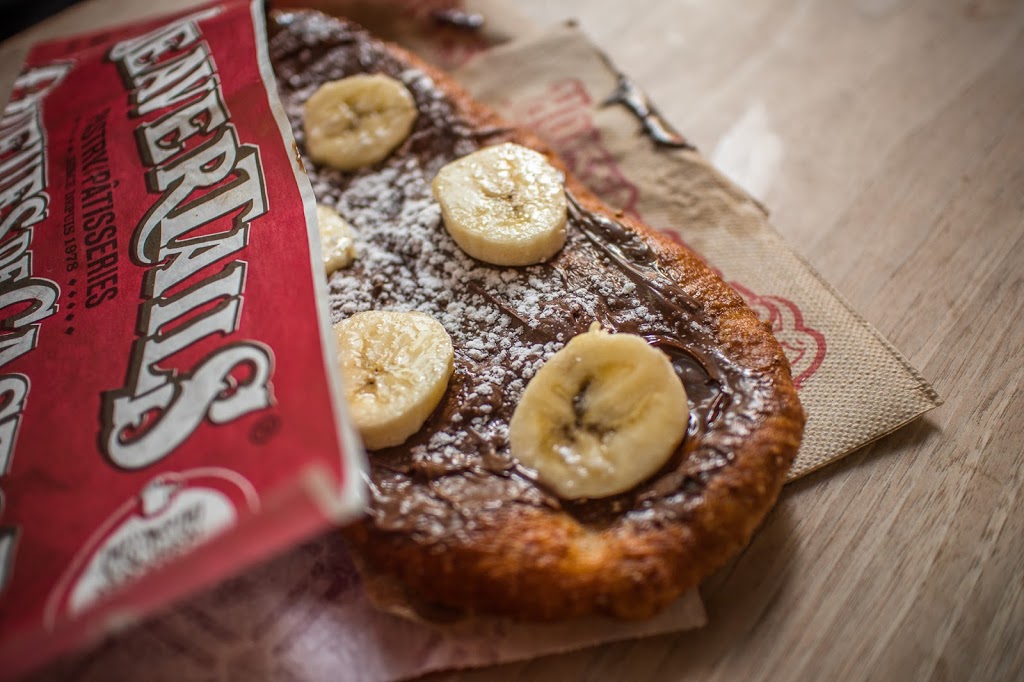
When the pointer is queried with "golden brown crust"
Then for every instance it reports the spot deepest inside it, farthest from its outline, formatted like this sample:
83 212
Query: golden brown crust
537 563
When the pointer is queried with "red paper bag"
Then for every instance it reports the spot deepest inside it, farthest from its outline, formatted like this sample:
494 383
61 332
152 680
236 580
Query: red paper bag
169 410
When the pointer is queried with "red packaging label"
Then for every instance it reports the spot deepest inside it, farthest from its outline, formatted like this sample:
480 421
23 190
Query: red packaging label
168 406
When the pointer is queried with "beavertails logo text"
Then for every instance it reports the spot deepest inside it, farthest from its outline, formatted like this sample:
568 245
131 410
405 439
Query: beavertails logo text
209 187
24 300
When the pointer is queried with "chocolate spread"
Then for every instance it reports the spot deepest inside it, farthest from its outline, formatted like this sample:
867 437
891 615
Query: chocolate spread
629 95
504 322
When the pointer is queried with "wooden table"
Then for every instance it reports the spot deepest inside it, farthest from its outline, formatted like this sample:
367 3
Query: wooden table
887 138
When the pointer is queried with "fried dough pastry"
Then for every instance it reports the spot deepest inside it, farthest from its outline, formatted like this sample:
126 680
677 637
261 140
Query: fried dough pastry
454 520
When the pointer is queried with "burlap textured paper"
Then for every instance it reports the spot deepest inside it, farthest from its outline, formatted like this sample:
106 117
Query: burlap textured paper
853 384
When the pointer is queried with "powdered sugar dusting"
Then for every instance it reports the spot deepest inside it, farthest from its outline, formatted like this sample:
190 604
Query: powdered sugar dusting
407 261
505 323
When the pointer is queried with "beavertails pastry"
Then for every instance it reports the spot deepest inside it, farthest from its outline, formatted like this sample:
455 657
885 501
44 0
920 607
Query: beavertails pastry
567 413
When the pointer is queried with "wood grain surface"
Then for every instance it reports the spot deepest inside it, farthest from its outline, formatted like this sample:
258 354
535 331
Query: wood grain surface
887 138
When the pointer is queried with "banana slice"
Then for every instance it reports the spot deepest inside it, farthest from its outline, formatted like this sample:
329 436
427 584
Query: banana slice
395 367
503 205
603 414
337 241
358 121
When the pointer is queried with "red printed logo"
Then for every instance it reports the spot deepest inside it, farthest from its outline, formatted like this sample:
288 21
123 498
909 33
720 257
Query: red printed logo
171 514
198 184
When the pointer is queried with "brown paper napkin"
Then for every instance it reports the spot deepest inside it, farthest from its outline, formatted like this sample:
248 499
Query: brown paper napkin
853 384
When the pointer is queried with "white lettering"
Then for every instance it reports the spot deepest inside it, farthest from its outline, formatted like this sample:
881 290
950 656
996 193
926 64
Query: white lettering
138 54
13 391
176 81
8 537
27 300
166 136
211 188
211 392
186 256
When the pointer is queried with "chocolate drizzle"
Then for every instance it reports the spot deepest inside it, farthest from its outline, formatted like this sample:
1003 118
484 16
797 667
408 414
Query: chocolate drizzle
504 322
458 18
628 94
